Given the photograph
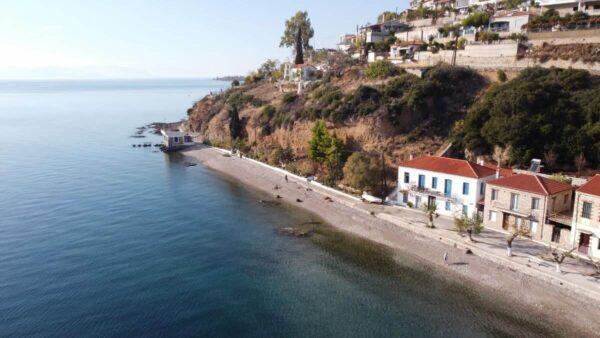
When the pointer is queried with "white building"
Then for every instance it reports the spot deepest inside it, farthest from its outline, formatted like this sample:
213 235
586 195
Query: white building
591 7
175 140
347 42
455 186
508 22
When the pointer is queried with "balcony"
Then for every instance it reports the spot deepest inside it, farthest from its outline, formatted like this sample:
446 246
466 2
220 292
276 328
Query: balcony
438 194
535 214
564 217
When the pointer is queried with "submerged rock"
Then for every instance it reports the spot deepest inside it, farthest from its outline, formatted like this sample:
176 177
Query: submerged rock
295 232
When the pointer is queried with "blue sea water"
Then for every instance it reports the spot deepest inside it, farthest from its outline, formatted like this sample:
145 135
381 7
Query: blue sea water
101 239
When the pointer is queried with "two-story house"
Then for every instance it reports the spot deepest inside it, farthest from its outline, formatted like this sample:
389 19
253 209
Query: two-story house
539 204
454 186
586 219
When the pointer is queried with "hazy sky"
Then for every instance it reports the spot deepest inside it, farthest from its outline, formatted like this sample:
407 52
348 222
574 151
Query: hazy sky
139 39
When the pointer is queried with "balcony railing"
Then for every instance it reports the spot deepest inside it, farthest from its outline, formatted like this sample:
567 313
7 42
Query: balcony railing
430 192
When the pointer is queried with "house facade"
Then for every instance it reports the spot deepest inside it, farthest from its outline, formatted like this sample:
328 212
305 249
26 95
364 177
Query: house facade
527 201
586 219
454 186
175 140
591 7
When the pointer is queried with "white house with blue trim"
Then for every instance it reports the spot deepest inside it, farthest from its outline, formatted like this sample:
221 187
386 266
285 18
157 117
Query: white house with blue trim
455 186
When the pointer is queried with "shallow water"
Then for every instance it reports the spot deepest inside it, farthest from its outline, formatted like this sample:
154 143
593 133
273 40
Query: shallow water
99 238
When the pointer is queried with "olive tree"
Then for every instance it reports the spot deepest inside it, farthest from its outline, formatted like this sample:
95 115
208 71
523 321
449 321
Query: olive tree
297 34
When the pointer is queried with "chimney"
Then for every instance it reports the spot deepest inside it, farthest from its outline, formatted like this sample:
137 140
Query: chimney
498 172
480 160
410 157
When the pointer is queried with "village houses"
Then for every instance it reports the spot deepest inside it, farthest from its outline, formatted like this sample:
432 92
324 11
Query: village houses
586 219
527 201
455 186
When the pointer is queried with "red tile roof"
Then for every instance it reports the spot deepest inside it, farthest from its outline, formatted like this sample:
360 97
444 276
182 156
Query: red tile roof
449 166
592 186
504 172
532 183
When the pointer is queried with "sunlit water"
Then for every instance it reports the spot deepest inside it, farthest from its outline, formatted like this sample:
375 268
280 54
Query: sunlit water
101 239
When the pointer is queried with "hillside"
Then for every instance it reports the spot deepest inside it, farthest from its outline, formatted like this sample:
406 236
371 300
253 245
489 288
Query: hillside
401 114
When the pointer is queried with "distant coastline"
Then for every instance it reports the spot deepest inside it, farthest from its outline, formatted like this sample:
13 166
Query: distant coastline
229 78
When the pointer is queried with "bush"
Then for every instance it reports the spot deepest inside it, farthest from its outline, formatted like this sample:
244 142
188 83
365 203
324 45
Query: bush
381 69
541 110
501 75
280 156
362 172
289 98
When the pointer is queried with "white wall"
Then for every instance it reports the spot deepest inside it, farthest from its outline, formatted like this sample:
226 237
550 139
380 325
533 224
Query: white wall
460 199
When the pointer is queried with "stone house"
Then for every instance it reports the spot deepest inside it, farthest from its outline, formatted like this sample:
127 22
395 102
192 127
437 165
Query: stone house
586 219
539 204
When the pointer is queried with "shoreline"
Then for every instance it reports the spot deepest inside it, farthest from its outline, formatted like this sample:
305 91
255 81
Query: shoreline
537 300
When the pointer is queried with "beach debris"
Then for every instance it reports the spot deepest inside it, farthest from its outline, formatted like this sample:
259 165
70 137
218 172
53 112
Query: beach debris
277 187
190 164
295 232
278 196
328 199
308 189
298 200
468 252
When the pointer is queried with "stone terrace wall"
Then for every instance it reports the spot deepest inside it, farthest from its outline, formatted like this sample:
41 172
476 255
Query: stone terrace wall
566 37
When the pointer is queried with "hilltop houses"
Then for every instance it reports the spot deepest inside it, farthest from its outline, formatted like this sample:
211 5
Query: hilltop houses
586 219
454 186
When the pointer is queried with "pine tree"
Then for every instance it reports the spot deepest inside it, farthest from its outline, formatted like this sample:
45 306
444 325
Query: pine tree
299 50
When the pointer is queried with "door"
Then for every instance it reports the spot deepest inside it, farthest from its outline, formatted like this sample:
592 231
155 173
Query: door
430 200
584 243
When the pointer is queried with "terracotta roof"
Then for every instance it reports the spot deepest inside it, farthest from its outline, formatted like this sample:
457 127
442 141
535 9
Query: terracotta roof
449 166
532 183
592 186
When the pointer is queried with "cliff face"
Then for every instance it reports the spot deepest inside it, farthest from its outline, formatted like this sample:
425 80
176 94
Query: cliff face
400 115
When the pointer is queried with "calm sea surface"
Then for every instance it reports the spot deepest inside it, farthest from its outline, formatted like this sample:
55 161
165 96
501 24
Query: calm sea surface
101 239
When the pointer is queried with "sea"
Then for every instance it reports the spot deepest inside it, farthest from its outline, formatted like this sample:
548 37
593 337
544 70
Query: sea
99 238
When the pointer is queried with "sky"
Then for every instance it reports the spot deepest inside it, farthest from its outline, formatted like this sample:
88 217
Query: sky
82 39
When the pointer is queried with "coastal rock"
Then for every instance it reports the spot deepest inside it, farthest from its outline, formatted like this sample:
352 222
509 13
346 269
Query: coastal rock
295 232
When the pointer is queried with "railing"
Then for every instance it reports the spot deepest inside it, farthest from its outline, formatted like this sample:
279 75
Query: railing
531 213
565 28
415 188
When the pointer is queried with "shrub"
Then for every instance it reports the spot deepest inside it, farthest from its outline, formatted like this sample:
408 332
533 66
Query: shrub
501 75
362 172
381 70
289 98
280 156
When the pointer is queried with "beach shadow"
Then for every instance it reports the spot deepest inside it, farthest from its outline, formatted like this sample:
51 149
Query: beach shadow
459 263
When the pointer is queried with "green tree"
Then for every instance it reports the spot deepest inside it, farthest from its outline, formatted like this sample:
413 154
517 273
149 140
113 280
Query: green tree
362 172
455 31
430 210
388 16
470 225
297 34
319 143
477 19
235 125
268 68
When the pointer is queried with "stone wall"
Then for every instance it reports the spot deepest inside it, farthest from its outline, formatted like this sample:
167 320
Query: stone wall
566 37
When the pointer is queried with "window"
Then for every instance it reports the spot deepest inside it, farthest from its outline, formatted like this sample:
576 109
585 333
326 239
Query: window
406 177
434 183
492 216
494 194
421 181
566 199
448 206
514 201
482 188
447 187
176 139
535 203
533 226
586 211
465 188
465 210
